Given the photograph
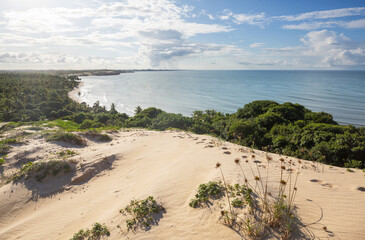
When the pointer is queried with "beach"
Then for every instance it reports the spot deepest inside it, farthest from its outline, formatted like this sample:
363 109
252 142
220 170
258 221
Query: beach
74 94
168 165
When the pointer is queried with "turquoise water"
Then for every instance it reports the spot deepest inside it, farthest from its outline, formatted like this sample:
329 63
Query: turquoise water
341 93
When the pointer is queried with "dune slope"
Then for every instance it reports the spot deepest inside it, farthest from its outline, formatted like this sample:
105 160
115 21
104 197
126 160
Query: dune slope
168 166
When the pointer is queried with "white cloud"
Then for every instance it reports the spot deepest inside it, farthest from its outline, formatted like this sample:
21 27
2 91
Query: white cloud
252 19
256 45
312 25
149 30
327 14
356 24
360 23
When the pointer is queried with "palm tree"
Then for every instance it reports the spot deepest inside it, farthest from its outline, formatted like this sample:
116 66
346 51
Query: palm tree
137 110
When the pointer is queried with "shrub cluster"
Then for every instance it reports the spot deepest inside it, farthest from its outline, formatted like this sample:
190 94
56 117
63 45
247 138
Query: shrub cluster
287 128
96 232
66 137
142 213
41 169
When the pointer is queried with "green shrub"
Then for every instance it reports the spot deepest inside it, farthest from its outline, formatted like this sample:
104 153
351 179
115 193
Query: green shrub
211 190
98 136
2 161
237 203
41 170
142 213
4 149
97 232
67 138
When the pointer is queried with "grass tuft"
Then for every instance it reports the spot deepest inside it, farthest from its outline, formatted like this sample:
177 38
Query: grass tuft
40 170
96 232
66 137
142 213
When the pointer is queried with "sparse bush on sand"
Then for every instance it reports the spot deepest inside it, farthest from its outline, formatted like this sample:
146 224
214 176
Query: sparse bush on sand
66 137
257 212
98 231
40 170
142 213
98 136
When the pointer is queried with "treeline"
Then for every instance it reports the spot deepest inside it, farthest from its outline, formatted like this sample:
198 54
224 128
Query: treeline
287 128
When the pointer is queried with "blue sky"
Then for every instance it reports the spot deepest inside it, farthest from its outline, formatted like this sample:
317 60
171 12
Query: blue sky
191 34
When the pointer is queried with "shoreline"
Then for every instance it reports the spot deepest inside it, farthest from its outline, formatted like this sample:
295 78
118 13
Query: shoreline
73 94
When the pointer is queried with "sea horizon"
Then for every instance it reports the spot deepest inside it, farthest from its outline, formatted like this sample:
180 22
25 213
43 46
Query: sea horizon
339 94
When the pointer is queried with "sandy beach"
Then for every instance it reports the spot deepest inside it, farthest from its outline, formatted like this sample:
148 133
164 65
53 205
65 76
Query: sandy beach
74 94
169 166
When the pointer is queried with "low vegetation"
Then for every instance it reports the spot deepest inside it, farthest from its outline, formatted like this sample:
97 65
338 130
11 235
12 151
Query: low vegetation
254 211
40 170
142 213
287 128
98 231
210 190
66 137
2 160
98 136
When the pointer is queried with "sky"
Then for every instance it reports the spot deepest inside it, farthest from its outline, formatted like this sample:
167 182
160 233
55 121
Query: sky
178 34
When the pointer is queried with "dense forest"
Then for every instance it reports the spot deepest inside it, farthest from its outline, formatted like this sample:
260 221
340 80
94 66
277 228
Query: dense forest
288 128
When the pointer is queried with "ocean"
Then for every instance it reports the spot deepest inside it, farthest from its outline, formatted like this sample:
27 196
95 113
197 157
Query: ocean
340 93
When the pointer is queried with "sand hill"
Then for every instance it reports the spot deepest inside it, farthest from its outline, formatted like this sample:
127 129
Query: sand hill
169 166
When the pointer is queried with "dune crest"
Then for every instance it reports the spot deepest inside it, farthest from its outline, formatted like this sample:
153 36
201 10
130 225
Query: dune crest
169 166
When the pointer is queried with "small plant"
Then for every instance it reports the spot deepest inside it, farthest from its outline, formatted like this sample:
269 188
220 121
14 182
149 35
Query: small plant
98 136
210 190
41 169
2 161
237 203
142 213
349 170
9 141
4 149
67 138
66 153
35 128
98 231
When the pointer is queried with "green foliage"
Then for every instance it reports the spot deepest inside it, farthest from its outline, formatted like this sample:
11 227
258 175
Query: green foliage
4 149
35 128
67 138
354 164
32 97
237 203
66 153
41 170
210 190
98 136
286 128
98 231
9 141
66 125
142 213
2 161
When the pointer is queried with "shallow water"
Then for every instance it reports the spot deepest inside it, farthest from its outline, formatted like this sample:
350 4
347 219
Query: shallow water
341 93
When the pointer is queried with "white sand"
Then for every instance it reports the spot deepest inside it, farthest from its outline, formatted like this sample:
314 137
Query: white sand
169 166
74 94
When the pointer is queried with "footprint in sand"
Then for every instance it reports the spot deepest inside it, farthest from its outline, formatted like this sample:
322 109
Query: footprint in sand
323 183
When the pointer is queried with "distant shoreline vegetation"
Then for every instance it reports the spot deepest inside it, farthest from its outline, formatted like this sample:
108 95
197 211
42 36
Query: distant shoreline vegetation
287 128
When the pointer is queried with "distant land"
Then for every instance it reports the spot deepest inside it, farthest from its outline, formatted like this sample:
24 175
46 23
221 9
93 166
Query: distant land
85 72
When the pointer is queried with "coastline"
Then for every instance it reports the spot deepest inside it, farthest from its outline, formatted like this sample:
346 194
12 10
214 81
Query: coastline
73 94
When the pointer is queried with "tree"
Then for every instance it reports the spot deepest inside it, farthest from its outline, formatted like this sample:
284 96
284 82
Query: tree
137 110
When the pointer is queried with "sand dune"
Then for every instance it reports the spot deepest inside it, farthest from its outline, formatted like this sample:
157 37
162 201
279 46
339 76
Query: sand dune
170 166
